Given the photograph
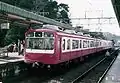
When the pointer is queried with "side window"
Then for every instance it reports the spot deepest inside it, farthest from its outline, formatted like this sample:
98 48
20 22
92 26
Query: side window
88 44
96 43
80 43
91 44
75 44
84 44
63 44
100 43
68 44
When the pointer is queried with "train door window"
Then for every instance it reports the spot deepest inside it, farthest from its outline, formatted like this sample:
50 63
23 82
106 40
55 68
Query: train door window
88 43
95 43
68 44
99 43
80 43
63 44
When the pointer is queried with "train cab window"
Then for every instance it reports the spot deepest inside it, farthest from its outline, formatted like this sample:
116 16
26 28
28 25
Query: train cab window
43 34
38 34
48 34
40 41
63 44
68 44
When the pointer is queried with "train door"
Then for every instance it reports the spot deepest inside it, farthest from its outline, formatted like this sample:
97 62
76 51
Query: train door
65 49
59 51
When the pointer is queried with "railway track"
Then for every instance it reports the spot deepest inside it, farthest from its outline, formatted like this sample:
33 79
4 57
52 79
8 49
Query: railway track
43 76
105 72
86 72
75 71
65 76
96 73
93 70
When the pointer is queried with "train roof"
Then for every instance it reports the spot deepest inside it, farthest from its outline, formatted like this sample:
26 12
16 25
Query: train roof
59 31
63 33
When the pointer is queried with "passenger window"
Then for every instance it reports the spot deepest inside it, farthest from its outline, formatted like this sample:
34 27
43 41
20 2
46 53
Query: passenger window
80 44
75 44
68 44
88 44
38 34
63 44
91 44
84 44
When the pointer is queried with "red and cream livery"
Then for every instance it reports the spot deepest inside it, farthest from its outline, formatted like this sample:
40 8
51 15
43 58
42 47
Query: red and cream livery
49 46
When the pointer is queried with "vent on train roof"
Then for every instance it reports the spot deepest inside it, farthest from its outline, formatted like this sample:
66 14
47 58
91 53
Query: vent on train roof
70 31
53 27
87 35
79 33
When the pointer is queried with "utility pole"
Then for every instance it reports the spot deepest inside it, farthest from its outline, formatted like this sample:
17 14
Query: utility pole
99 19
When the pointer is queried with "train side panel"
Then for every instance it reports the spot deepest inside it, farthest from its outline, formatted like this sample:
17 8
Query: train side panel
65 48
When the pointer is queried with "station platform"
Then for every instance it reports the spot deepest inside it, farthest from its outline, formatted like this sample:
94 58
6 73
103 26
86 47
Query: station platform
12 57
113 75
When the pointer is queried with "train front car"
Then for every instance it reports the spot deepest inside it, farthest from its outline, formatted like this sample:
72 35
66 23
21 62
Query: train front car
40 47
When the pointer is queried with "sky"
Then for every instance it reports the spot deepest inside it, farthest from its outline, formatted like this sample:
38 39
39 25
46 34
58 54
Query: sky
93 9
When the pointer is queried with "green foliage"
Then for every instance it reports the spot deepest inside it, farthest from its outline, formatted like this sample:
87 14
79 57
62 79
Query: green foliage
47 8
13 34
25 4
54 10
2 36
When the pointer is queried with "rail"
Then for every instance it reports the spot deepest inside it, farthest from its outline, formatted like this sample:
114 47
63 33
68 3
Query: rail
86 72
103 75
81 76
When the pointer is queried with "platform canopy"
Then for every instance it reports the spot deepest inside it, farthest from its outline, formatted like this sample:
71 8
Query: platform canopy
23 14
116 6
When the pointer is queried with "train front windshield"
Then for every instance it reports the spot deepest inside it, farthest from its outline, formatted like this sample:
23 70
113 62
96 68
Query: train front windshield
40 41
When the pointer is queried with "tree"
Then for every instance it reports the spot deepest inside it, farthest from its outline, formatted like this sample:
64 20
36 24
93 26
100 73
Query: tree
54 11
14 33
47 8
63 13
38 5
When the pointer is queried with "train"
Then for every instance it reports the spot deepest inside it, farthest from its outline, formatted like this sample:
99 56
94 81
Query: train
50 46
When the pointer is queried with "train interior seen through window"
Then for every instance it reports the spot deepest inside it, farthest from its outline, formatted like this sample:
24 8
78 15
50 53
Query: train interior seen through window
40 40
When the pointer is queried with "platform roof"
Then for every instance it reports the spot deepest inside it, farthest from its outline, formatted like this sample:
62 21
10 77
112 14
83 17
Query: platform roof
116 6
9 9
